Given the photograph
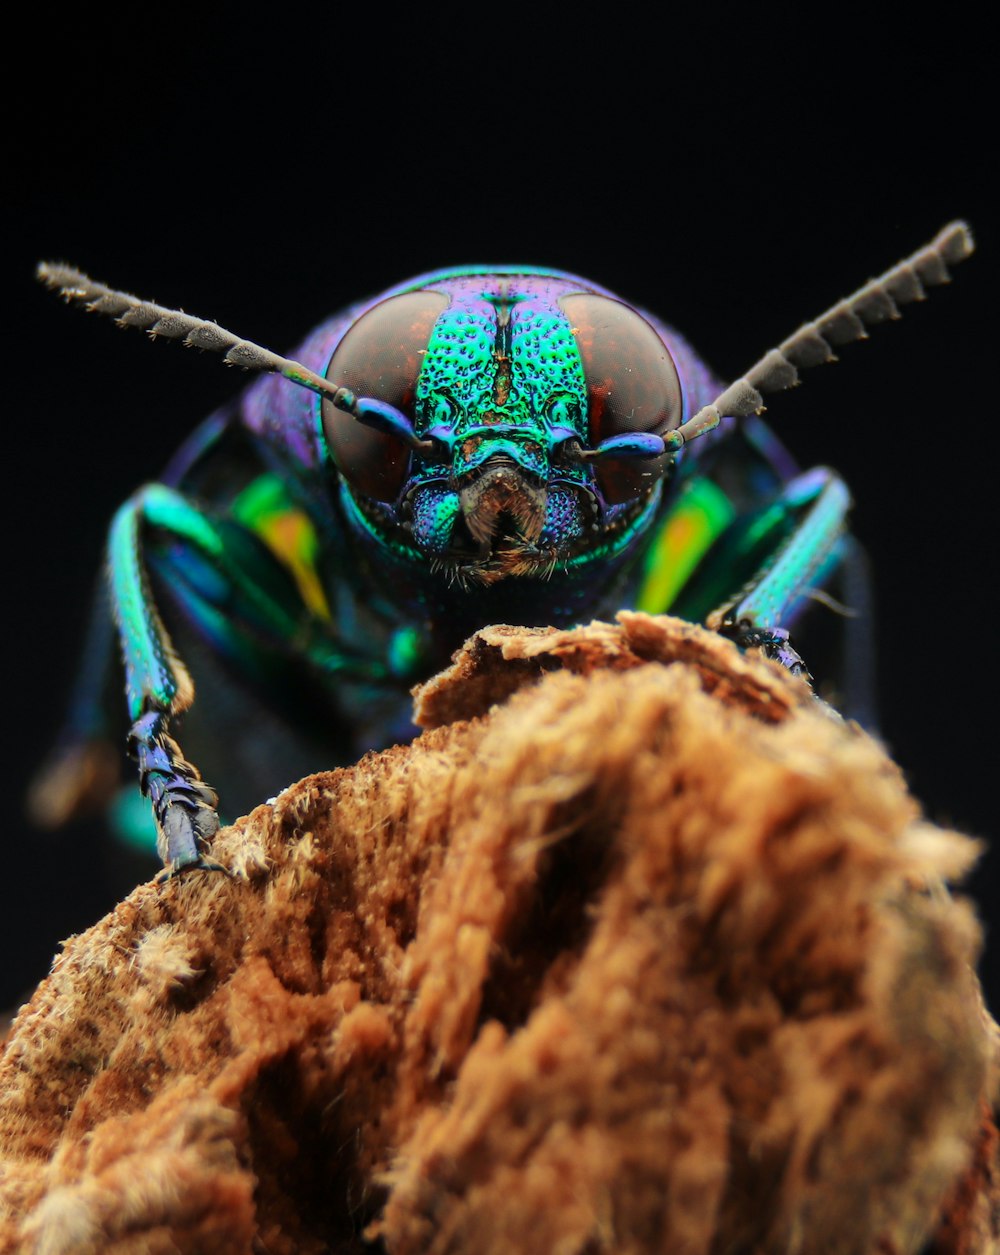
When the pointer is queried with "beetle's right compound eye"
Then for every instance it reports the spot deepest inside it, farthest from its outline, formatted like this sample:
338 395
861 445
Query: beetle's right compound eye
379 357
632 386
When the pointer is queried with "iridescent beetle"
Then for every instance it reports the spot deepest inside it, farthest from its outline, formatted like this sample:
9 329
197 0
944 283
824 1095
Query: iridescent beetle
479 445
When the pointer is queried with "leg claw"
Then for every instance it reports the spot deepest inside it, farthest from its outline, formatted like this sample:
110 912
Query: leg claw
177 868
774 643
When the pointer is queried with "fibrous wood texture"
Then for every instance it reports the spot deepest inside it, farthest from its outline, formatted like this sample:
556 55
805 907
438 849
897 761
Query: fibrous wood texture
638 948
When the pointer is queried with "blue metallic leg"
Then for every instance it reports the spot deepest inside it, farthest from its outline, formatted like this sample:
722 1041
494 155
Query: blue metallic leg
233 587
183 805
157 685
801 562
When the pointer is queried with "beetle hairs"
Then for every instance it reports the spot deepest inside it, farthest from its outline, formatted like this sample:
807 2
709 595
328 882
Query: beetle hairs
813 343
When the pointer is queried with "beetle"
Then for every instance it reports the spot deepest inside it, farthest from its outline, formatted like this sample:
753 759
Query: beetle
477 445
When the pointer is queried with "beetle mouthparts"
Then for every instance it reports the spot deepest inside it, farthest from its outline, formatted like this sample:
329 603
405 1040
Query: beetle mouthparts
501 500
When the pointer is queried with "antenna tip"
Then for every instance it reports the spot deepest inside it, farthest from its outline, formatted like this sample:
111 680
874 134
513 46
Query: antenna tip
955 241
56 274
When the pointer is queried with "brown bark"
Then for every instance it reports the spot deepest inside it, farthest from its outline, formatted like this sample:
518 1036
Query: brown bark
637 948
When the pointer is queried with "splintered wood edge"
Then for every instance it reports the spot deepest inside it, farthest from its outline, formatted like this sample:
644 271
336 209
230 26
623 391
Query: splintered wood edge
499 660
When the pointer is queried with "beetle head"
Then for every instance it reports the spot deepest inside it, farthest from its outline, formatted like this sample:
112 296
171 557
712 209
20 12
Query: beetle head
527 422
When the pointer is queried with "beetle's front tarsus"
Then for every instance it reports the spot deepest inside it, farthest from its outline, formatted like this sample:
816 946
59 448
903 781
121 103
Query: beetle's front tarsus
774 643
201 863
183 805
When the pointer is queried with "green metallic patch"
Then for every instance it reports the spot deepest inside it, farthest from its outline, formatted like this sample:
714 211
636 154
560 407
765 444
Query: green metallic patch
700 515
500 364
266 508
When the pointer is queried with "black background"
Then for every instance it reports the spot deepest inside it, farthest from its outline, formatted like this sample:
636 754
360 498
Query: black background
734 181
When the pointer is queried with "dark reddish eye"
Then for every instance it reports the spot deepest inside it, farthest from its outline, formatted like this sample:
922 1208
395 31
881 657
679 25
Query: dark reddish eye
632 384
380 357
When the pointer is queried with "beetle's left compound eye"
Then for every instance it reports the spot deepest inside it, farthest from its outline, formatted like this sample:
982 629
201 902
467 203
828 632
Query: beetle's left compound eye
379 357
632 385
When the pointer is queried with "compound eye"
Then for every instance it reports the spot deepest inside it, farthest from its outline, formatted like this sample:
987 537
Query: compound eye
632 385
380 356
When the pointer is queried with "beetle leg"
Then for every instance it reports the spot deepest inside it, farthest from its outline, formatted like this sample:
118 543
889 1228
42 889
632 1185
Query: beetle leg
157 685
802 560
183 805
239 579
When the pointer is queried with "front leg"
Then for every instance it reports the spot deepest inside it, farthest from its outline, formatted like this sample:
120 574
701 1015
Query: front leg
157 686
818 501
774 643
183 805
242 597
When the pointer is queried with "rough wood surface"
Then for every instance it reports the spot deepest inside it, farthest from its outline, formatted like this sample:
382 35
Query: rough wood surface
636 949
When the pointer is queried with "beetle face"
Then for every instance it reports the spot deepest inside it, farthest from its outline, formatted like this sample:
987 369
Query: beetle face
507 378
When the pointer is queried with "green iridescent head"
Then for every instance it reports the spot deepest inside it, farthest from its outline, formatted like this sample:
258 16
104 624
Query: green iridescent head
528 411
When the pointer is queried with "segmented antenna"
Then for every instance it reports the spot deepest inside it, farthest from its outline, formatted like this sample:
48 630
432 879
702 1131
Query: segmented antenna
129 311
812 344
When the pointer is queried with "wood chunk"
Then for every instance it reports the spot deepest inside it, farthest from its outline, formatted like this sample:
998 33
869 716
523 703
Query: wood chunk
637 948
